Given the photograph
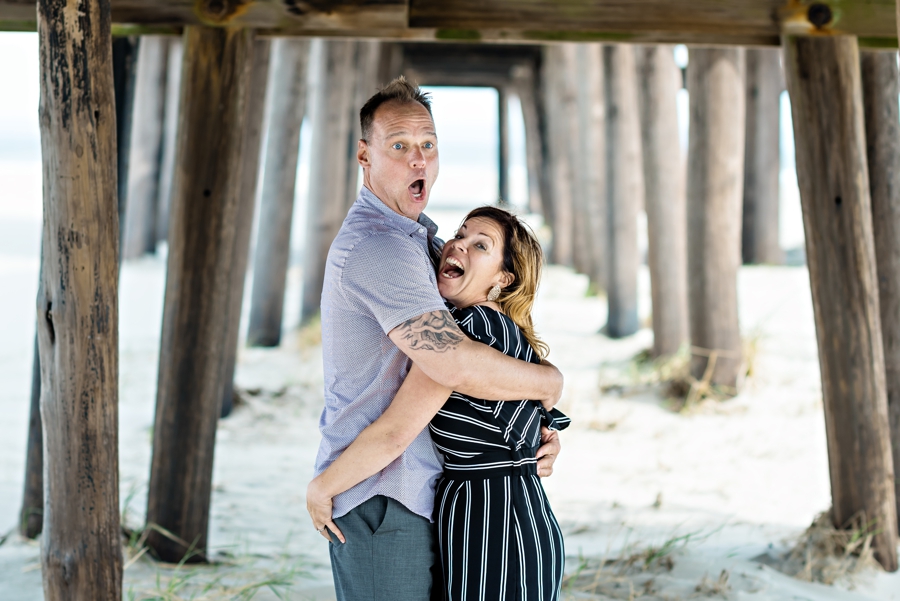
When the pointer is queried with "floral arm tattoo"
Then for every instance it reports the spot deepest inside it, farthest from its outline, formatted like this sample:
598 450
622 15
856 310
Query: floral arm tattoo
435 331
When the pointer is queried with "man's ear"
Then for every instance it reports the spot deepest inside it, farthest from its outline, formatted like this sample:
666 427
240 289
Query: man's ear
362 153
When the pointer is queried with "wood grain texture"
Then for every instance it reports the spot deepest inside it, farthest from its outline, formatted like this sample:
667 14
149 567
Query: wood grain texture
250 168
290 60
659 80
762 165
880 89
625 187
77 303
200 278
327 203
823 78
715 183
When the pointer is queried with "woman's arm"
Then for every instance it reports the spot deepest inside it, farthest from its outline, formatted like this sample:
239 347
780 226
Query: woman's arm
418 400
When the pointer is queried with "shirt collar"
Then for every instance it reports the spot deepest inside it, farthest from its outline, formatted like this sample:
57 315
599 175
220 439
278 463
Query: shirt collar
405 224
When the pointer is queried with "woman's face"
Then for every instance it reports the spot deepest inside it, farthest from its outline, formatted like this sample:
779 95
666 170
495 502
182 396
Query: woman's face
472 263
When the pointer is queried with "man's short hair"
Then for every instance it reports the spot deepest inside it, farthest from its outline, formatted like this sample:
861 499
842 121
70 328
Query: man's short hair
398 90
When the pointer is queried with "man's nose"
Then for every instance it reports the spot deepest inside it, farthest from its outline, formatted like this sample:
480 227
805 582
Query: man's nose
417 158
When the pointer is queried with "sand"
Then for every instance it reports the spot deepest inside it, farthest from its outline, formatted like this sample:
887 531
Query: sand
722 484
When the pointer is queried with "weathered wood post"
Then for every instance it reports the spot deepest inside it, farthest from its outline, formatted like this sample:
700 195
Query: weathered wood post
77 303
715 183
591 159
880 92
625 187
559 104
124 53
200 279
524 86
327 203
759 240
250 167
273 242
30 517
139 237
664 183
503 145
170 138
823 77
368 80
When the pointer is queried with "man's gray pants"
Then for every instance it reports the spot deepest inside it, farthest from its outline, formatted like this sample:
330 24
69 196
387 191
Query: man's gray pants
388 555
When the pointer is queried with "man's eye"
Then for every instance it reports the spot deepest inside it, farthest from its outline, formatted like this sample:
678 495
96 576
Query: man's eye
429 145
397 146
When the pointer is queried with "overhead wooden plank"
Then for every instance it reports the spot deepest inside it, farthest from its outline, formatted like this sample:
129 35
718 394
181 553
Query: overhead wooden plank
734 22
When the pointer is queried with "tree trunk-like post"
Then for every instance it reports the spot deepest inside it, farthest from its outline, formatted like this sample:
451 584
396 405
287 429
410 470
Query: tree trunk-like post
200 278
823 77
880 92
524 87
30 518
559 105
759 240
290 59
170 138
139 237
503 145
666 204
625 187
591 159
124 53
715 183
77 303
250 167
369 63
327 203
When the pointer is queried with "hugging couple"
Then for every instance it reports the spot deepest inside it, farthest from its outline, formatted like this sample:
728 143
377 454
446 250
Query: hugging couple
425 489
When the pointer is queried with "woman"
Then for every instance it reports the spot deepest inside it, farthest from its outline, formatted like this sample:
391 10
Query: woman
497 536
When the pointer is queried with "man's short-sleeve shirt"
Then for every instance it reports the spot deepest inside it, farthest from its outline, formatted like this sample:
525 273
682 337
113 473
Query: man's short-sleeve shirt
378 275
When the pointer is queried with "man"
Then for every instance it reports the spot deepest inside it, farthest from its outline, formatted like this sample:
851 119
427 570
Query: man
380 311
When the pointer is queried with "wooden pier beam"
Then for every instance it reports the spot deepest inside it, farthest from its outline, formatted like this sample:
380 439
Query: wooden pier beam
823 78
880 92
524 86
503 145
250 167
764 82
77 303
139 237
200 278
370 77
327 203
715 183
31 514
124 56
170 137
290 59
666 204
625 187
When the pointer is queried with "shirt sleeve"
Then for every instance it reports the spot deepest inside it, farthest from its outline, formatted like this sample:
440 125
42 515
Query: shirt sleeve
391 275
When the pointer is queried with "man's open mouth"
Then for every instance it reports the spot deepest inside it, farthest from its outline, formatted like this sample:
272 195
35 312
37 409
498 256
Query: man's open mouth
452 269
417 188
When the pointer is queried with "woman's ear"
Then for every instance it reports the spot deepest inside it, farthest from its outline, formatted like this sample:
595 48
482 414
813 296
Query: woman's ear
506 279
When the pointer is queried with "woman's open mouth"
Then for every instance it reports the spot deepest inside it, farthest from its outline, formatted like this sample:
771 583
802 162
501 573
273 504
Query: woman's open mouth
452 269
417 189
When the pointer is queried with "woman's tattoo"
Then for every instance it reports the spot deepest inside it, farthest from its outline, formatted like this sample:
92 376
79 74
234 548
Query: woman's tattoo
435 331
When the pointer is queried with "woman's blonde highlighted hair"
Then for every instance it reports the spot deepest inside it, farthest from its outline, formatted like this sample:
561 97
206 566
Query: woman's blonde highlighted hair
523 259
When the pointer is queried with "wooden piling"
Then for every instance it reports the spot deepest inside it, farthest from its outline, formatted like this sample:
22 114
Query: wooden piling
139 237
124 53
290 59
759 239
524 86
591 160
200 279
327 202
823 78
77 303
30 517
880 91
666 204
250 167
170 138
625 187
503 145
369 62
715 183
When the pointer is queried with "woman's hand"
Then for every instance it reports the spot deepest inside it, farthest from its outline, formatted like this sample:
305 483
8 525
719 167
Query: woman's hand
548 451
319 505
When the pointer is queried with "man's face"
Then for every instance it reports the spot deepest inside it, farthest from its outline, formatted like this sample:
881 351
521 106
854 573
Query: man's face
400 159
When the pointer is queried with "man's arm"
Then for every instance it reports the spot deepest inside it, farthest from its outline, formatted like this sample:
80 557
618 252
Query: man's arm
436 344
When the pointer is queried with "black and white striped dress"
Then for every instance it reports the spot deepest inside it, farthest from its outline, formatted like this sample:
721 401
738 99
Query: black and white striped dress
498 537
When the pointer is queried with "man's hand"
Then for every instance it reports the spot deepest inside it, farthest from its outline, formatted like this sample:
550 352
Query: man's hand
319 506
548 451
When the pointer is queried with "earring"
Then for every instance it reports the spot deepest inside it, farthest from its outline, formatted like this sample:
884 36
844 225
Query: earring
494 294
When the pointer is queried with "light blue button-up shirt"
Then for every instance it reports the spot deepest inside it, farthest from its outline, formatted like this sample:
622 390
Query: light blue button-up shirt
379 274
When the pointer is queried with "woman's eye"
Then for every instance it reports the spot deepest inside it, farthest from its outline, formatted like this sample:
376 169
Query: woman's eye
397 146
480 246
457 237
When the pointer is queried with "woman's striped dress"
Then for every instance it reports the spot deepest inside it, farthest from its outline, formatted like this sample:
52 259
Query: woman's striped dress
498 537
